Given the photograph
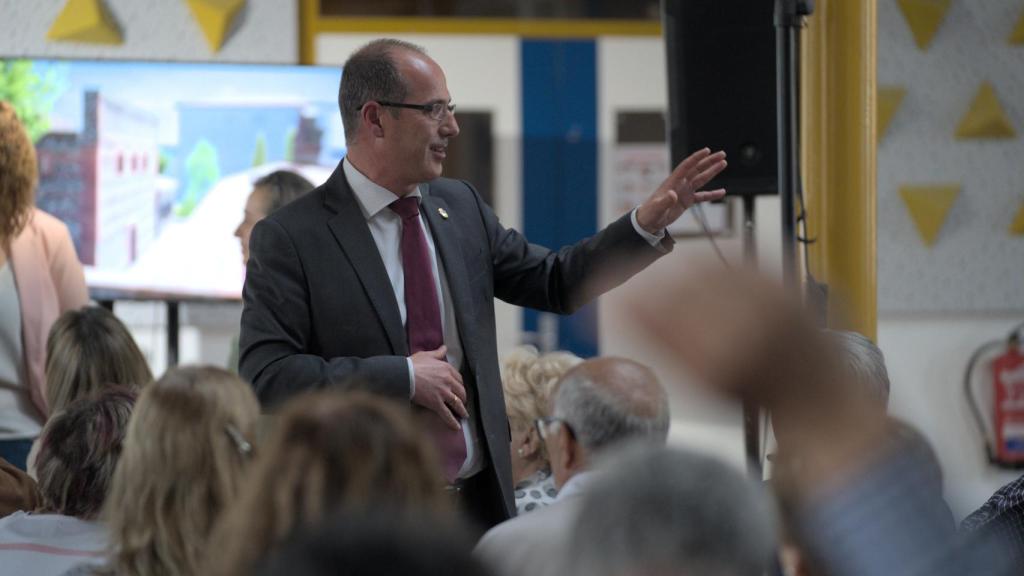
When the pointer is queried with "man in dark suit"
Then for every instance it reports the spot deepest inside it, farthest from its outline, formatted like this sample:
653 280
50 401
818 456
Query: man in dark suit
385 276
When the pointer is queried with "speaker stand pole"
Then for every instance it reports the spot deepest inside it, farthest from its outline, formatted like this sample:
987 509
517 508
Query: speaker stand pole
751 411
789 15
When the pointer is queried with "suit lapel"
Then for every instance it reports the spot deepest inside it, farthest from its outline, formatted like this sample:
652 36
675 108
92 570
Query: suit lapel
447 242
349 228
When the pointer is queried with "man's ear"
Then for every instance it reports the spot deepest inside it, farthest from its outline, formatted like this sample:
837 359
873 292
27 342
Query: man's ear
371 116
572 454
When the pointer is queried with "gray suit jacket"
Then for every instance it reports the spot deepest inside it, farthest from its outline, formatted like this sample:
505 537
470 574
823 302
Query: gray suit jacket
319 310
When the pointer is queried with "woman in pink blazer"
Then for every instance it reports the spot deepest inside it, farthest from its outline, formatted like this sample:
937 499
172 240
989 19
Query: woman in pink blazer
40 277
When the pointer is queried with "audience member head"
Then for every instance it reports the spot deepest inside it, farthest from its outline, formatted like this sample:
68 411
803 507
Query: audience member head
528 378
658 511
599 404
18 174
790 471
89 349
862 363
328 451
79 451
377 543
269 193
182 462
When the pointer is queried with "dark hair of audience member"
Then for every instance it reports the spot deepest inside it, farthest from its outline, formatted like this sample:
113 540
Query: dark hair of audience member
376 543
281 187
186 449
88 349
79 452
327 451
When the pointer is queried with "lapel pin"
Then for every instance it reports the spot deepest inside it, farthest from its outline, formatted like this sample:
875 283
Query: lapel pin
443 213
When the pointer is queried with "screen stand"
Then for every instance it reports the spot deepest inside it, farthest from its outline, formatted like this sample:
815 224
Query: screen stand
173 324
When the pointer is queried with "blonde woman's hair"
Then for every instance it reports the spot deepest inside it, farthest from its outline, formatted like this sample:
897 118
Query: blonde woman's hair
182 464
89 349
328 451
18 174
528 379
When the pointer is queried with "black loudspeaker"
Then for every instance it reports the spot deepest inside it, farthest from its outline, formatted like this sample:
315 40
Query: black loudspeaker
722 87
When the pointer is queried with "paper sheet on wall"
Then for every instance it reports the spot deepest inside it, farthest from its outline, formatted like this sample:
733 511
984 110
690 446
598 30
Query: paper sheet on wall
639 170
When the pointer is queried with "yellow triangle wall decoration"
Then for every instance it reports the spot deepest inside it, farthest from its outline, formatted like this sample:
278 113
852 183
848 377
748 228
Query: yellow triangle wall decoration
1017 36
215 18
924 18
985 118
928 207
1017 227
889 99
86 21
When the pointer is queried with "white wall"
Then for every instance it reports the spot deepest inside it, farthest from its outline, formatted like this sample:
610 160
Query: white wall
975 263
267 32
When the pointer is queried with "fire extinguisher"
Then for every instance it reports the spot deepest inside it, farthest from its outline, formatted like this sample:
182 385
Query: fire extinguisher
1004 441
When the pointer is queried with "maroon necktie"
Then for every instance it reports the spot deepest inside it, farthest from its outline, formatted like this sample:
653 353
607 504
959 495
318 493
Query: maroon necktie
423 321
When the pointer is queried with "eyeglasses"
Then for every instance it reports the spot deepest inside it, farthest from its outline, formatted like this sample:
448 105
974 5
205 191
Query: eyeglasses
543 426
435 110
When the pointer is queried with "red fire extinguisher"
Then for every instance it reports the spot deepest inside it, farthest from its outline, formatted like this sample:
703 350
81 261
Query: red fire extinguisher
1007 373
1004 436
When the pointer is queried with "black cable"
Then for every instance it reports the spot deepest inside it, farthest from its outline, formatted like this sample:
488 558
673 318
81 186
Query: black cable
698 213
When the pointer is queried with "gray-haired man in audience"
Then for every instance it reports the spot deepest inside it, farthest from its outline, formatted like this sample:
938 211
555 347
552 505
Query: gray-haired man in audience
668 512
863 362
599 404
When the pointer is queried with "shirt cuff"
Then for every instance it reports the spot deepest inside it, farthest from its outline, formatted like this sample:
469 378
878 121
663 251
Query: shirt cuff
412 378
652 239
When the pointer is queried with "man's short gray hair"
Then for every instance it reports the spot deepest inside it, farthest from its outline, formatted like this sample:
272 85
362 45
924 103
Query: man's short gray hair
864 362
600 418
369 74
664 511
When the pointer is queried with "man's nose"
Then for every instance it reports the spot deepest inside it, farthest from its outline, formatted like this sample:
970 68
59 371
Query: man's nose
450 126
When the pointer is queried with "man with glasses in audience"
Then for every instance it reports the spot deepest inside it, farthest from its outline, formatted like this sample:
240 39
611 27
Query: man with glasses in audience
386 275
599 405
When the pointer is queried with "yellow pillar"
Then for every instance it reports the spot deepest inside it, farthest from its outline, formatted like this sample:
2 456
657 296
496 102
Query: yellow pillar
838 151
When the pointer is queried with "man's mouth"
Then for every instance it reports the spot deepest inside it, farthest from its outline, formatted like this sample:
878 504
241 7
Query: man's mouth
440 150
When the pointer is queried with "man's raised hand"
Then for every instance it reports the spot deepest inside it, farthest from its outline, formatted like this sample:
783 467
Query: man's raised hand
681 190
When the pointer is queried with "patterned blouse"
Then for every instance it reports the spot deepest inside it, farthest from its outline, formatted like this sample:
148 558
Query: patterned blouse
536 491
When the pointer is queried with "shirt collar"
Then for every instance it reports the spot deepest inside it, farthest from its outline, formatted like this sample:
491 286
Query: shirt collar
372 197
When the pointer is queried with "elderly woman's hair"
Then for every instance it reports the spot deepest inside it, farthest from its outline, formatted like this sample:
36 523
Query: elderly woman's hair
528 379
864 362
187 445
281 187
18 174
88 349
328 451
79 451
